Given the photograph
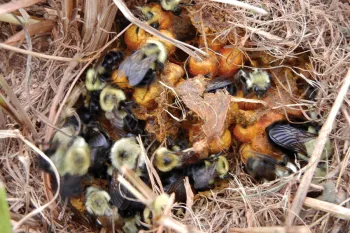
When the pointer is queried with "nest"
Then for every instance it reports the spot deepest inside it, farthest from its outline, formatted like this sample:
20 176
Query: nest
43 62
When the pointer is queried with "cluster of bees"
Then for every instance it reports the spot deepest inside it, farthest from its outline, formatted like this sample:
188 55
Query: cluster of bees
120 98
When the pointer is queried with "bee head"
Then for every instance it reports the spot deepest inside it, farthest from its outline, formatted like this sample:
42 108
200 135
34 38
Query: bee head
97 201
77 158
92 83
166 160
151 17
160 203
171 5
222 167
260 82
156 47
157 208
110 98
126 152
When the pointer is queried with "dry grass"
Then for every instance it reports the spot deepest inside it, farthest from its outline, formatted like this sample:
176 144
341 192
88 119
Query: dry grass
57 60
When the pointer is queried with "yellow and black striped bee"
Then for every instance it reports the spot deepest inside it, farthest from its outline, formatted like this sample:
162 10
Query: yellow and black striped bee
71 156
166 160
141 66
118 111
97 205
125 152
258 80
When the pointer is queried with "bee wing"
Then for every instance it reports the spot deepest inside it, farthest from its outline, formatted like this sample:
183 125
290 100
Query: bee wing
290 137
135 67
118 193
218 83
178 188
202 176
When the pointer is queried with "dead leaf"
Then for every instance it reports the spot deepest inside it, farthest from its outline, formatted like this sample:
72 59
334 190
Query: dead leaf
211 108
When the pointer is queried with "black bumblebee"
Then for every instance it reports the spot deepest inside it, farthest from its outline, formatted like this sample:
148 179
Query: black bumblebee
261 167
295 140
100 145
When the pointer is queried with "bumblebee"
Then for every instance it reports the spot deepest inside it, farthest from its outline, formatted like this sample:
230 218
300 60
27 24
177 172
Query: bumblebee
71 156
100 145
203 174
90 106
150 215
258 81
141 66
166 160
125 152
119 112
110 62
97 205
265 167
292 140
132 224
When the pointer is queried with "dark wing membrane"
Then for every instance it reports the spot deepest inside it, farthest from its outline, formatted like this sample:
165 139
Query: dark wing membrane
135 67
202 176
218 83
117 198
290 138
121 197
176 186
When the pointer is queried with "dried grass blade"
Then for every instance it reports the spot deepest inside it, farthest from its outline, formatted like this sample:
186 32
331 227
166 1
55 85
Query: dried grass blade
333 209
292 229
35 54
17 105
244 6
315 157
138 183
10 18
37 28
12 6
17 134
